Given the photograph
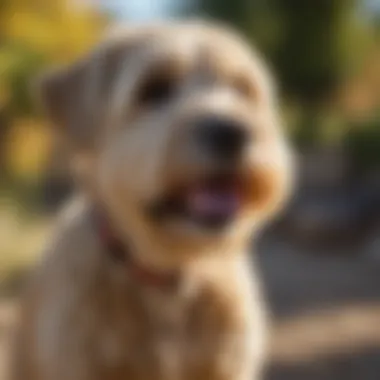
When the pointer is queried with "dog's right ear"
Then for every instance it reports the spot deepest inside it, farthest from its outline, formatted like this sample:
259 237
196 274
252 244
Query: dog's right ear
76 97
62 92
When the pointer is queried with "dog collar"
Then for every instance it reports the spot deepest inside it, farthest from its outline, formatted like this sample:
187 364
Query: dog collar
120 254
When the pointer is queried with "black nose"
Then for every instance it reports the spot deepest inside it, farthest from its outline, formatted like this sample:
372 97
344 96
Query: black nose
222 137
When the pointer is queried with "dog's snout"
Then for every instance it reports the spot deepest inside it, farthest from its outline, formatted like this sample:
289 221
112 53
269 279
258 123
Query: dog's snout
223 137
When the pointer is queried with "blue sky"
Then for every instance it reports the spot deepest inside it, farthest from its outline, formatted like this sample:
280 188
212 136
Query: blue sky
140 10
143 10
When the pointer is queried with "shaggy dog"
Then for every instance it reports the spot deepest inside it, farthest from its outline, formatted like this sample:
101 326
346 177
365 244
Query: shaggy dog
175 141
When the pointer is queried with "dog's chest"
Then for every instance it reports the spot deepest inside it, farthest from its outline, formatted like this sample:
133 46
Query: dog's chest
150 342
163 344
168 322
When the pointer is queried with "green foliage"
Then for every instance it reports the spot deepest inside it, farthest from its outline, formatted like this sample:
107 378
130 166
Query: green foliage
36 33
313 46
18 64
363 144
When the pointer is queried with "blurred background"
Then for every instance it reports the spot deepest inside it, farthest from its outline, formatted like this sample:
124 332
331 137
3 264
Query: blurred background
321 258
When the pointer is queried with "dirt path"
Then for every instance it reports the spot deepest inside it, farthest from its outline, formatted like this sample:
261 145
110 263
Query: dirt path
326 310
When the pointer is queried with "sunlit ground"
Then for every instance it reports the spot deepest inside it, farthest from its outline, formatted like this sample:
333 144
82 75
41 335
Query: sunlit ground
21 240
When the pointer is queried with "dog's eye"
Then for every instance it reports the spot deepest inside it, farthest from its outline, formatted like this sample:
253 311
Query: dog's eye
243 87
157 90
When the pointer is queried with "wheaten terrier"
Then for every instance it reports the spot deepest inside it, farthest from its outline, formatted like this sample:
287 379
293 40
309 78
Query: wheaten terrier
175 142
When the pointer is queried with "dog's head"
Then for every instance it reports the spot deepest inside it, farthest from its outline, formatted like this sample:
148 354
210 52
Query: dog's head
174 130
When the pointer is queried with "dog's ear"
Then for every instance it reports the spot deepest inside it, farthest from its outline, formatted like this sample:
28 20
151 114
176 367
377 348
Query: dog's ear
62 92
76 97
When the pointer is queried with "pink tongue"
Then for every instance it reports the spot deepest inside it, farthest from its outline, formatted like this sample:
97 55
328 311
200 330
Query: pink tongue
208 202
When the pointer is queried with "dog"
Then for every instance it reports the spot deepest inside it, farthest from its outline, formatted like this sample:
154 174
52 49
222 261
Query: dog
175 142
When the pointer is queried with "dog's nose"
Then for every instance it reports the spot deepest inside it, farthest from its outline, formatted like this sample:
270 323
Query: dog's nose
224 138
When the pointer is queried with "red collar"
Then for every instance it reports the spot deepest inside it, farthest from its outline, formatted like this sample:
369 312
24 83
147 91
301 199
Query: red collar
120 254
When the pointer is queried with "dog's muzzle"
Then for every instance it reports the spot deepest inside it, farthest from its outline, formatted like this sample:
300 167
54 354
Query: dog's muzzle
216 196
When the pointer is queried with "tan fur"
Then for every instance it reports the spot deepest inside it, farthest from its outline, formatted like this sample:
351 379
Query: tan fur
85 317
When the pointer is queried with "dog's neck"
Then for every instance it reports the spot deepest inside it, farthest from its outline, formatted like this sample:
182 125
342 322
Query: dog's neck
120 253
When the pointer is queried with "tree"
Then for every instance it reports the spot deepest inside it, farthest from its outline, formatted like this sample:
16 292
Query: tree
35 34
312 45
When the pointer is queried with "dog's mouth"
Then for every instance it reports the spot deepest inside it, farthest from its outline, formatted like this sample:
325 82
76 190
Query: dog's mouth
212 202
